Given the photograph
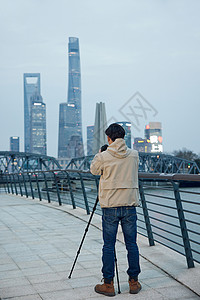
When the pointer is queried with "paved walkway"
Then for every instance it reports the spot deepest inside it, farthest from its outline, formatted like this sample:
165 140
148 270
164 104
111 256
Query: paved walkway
38 243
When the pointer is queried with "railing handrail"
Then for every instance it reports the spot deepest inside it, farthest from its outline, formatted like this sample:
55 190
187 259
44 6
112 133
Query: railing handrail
141 175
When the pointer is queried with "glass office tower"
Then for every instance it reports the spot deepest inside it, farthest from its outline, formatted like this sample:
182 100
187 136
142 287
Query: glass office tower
14 143
31 85
127 128
90 139
70 142
38 125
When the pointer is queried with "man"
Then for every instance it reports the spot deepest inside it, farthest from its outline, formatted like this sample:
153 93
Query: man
118 197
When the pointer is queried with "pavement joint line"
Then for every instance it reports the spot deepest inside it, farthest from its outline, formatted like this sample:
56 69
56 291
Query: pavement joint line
59 207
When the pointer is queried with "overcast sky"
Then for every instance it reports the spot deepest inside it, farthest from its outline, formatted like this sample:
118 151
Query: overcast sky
146 46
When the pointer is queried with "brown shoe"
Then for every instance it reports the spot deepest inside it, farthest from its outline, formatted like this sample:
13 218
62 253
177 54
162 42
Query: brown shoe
135 286
106 289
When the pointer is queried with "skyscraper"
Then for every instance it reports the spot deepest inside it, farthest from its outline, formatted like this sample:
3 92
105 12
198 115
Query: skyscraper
14 143
127 128
70 141
100 126
38 125
31 85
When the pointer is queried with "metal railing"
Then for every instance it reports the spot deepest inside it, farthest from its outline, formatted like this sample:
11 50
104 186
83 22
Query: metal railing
169 211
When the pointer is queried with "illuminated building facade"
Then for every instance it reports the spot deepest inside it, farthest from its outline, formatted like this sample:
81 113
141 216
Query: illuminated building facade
38 125
90 139
153 132
127 128
142 145
70 119
14 143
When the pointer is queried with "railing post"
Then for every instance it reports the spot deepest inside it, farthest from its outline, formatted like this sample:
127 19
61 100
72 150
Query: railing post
20 185
186 240
70 190
146 215
57 189
32 194
84 194
11 184
46 186
7 183
15 184
38 187
25 185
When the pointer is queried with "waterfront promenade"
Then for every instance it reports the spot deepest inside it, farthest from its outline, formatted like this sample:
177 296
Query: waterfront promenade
38 244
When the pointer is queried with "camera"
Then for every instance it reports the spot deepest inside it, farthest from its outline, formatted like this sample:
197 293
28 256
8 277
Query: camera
104 147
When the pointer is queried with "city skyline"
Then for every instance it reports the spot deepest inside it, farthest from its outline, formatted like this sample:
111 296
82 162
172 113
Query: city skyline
135 48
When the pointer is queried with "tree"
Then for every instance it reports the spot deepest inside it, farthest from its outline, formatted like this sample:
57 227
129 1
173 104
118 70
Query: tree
186 154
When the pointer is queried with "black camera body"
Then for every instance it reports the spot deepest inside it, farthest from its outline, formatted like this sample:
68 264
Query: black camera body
104 147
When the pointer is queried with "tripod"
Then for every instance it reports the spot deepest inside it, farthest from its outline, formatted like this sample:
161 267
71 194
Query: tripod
79 249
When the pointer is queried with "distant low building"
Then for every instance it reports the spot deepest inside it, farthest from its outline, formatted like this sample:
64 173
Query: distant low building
14 143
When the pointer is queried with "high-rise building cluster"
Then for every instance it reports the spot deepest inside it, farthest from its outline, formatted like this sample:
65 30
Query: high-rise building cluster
70 140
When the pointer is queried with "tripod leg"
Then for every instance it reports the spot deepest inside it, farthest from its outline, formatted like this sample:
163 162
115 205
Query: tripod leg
86 230
119 291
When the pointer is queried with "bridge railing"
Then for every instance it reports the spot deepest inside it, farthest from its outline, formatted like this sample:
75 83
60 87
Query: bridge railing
169 211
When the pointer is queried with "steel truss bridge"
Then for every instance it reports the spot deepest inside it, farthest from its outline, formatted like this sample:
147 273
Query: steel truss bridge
17 162
148 163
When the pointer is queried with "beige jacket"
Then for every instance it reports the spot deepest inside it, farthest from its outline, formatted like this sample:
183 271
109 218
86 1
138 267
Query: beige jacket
118 167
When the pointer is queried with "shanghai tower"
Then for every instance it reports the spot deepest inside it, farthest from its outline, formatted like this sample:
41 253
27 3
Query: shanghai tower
70 142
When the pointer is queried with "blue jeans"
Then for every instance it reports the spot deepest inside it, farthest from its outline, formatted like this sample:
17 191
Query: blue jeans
110 221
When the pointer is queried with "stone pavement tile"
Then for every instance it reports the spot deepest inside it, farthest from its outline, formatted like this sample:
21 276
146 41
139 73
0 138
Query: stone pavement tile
8 267
89 264
32 264
5 259
17 291
44 278
151 273
73 294
11 274
37 271
176 292
13 282
27 297
161 282
25 258
86 281
58 261
52 286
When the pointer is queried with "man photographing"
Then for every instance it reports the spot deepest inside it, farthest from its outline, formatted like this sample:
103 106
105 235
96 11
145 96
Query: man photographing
118 197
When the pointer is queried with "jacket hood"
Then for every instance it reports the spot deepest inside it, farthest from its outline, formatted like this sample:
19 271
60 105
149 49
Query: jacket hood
119 149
